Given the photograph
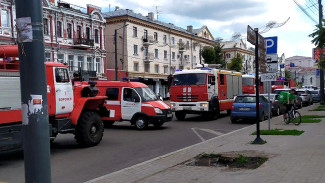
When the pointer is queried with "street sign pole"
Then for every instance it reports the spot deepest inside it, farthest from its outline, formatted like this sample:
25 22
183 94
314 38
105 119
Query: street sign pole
258 139
35 119
269 96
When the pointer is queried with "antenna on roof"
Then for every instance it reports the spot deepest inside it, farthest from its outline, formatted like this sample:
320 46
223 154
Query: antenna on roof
157 11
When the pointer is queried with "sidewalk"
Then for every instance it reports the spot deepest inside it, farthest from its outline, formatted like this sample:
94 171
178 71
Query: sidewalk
291 158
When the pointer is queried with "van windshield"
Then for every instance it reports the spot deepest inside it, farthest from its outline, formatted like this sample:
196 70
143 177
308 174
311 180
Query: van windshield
146 94
189 79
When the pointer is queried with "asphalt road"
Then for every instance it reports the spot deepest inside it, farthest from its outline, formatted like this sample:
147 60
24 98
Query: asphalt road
121 147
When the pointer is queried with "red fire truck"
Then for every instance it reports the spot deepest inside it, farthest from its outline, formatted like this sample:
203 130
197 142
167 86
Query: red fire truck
283 83
249 85
134 102
204 90
73 108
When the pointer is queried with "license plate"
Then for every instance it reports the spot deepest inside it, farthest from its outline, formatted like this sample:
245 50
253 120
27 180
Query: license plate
244 108
187 108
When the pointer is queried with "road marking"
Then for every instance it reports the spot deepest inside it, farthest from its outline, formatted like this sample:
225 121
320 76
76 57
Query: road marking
205 130
202 139
164 156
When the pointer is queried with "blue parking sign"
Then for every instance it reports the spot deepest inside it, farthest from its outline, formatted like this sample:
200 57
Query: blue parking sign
271 45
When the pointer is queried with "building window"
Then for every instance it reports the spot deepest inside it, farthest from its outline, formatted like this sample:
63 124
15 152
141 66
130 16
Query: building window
90 64
187 45
79 32
173 40
46 26
155 36
135 49
194 59
59 28
166 70
173 56
80 62
135 32
96 36
70 63
156 53
136 67
98 65
146 52
172 70
87 33
228 55
48 56
157 69
61 58
5 18
69 30
165 39
145 35
165 54
180 40
146 67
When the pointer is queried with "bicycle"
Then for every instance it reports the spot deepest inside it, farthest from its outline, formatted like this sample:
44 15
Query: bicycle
293 116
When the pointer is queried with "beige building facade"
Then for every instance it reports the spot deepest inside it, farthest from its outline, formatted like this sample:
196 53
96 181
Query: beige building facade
151 50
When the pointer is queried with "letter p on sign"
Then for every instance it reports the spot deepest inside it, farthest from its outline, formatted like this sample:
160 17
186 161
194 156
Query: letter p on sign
271 45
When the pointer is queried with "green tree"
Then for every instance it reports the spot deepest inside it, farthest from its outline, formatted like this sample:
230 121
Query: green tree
287 74
219 54
236 64
209 55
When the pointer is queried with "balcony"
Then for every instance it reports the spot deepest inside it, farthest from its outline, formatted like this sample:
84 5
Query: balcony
181 47
149 57
148 40
80 42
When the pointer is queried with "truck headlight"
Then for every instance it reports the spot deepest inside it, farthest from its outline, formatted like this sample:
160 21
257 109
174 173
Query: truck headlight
158 111
172 104
204 105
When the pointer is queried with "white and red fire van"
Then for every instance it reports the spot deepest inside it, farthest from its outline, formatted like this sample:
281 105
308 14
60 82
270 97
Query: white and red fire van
134 102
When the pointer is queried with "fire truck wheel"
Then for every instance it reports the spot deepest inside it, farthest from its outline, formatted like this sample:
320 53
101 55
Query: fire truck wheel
108 124
140 123
180 115
90 129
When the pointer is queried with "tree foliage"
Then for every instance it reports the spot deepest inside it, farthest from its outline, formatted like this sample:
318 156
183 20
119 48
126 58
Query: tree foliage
209 55
219 54
236 64
318 36
287 74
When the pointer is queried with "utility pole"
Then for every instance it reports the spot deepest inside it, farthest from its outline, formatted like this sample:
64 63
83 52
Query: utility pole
33 91
258 139
321 73
200 53
115 40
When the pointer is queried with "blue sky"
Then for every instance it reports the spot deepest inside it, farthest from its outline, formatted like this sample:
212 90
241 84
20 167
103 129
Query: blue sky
226 17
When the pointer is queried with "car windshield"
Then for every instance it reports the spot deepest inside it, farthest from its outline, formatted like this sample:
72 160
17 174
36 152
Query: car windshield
146 94
277 82
189 79
248 81
267 97
246 99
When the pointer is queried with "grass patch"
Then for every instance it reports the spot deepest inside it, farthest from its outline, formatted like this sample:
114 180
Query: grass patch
280 132
310 120
241 159
319 108
312 116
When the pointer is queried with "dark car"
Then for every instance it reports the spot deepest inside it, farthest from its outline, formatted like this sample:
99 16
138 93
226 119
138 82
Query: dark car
278 91
278 107
244 107
316 95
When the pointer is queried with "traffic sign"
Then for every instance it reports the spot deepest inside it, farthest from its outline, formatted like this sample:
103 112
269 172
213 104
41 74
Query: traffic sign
268 77
271 67
271 57
271 45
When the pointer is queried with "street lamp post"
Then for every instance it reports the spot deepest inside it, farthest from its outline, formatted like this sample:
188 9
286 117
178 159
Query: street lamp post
115 40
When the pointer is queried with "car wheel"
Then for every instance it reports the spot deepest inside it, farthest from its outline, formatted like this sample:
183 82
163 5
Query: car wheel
278 111
180 115
141 123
